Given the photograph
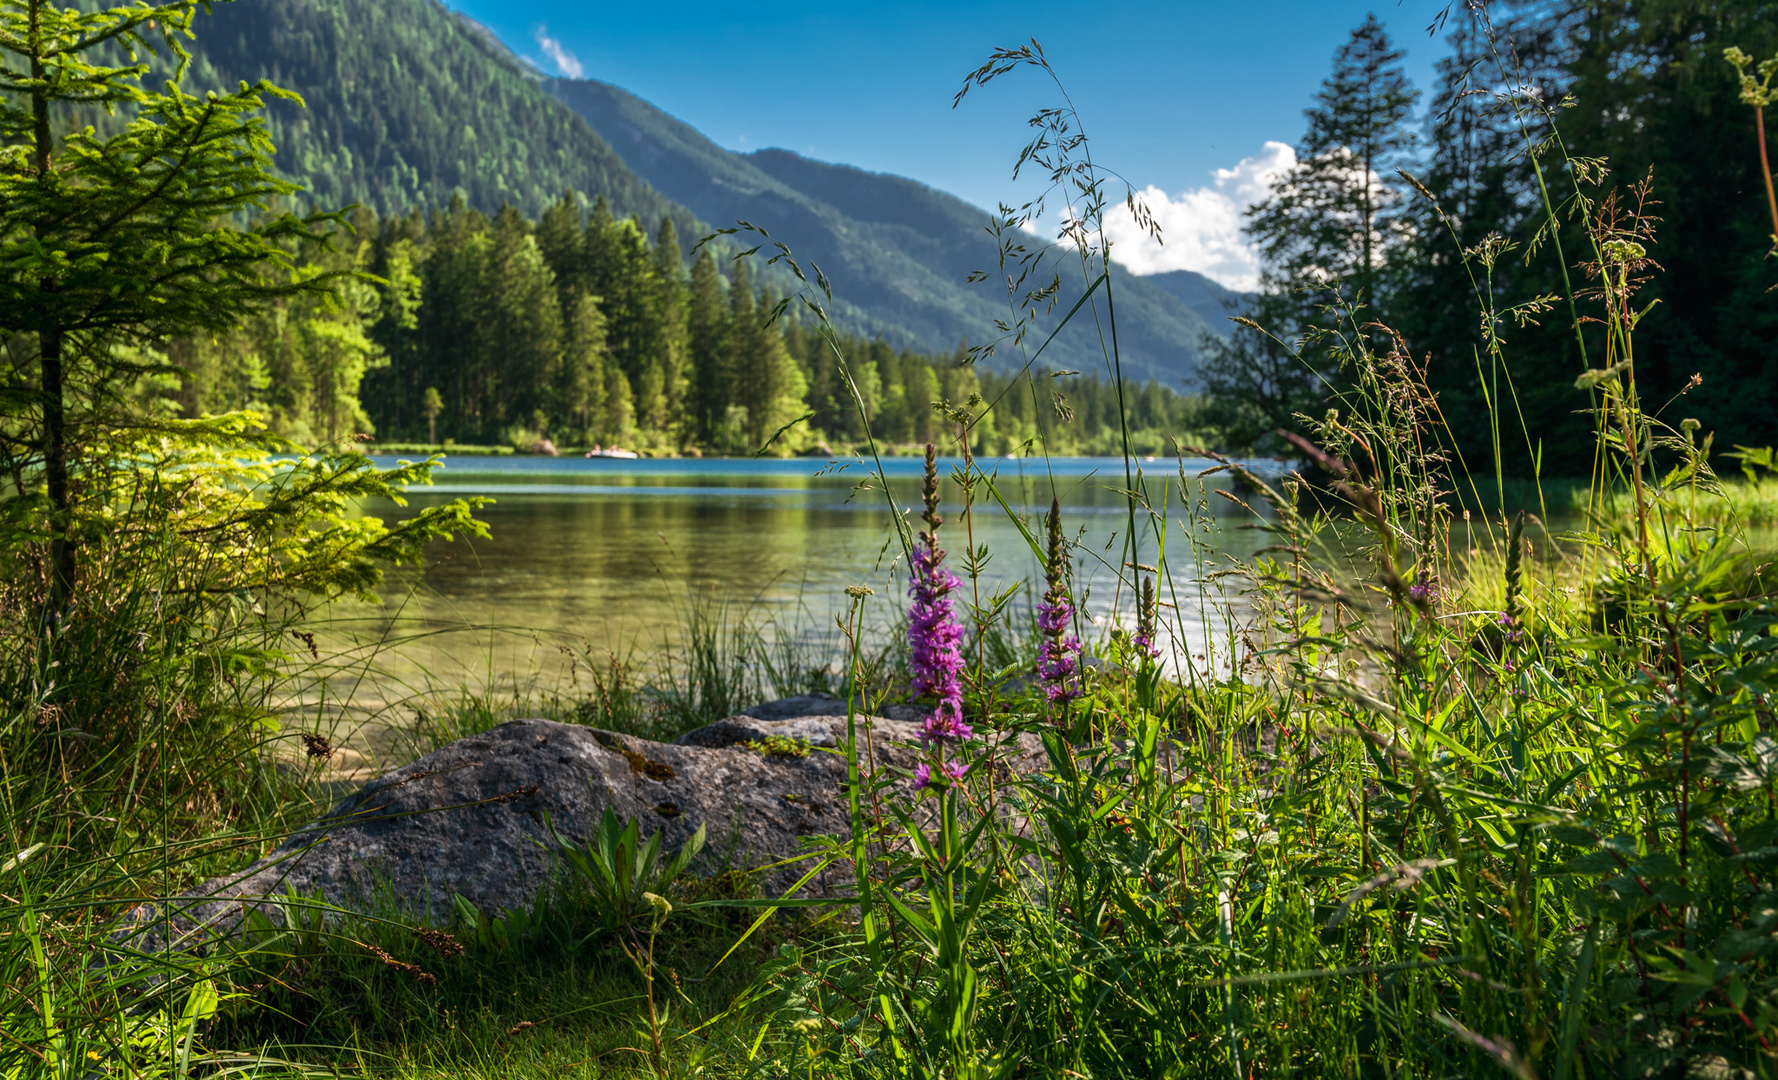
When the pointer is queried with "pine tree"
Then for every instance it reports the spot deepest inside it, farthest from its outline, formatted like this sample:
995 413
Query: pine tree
619 418
1478 182
393 394
768 385
1328 219
1327 228
431 404
583 386
454 284
562 239
669 270
521 349
114 242
706 349
745 344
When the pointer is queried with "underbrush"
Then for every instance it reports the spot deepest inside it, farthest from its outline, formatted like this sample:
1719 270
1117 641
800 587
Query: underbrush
550 987
1454 793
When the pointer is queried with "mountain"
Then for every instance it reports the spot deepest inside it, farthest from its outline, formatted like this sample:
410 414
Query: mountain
898 250
1212 301
407 105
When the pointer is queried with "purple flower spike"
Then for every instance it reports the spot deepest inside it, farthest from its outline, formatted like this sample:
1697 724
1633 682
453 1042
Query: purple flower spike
935 638
1056 667
922 776
955 771
1147 610
944 727
935 643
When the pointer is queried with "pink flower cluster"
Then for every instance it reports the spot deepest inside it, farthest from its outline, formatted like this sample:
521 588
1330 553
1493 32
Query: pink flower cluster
950 772
935 644
1056 666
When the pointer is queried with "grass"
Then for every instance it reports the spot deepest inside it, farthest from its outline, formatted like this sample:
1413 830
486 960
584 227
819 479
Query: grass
1457 800
1735 502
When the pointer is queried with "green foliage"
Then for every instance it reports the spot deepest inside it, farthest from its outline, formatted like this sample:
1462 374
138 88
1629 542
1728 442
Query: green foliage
578 329
406 105
157 569
778 746
620 871
1641 85
1061 413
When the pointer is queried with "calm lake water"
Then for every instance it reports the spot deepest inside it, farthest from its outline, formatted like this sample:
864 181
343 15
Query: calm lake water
599 554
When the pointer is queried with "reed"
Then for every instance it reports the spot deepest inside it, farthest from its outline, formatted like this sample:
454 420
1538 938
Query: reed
1446 795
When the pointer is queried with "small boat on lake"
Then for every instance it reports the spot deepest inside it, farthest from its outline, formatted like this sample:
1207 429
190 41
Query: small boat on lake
614 452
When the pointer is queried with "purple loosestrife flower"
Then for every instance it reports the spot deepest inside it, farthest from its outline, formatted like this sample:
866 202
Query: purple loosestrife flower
1147 612
1056 667
935 638
1510 630
951 772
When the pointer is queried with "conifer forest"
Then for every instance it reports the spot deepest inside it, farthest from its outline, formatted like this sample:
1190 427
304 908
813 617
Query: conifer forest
498 582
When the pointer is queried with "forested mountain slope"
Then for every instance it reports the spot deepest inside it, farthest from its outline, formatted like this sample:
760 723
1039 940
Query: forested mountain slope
1212 301
897 249
408 105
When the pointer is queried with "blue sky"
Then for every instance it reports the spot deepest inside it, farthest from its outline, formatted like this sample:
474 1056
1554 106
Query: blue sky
1169 92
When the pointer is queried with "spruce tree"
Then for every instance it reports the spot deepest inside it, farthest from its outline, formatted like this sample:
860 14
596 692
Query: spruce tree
431 404
1328 218
522 343
745 345
118 211
453 287
583 364
669 269
1326 229
706 348
563 242
597 261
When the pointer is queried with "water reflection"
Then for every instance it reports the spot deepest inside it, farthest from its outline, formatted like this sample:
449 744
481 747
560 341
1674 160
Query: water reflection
607 554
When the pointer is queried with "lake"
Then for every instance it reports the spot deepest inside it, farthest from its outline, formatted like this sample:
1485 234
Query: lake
602 555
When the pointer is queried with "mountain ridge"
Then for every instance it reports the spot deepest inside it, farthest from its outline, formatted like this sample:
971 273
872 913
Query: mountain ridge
898 249
410 105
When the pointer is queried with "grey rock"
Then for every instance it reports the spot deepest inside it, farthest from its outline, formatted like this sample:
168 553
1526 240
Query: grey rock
792 707
828 705
473 818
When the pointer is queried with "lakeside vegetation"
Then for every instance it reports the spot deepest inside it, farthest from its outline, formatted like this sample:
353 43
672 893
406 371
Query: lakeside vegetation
1436 801
580 329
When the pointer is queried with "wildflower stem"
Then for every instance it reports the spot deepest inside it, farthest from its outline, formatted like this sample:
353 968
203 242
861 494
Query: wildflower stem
1765 168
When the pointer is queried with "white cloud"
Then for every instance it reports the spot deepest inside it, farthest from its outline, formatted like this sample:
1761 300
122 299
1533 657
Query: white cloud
566 62
1201 228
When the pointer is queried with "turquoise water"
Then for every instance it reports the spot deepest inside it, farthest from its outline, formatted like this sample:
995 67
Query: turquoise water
602 554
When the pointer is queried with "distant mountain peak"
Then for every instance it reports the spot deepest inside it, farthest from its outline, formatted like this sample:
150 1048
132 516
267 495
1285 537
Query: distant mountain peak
410 105
897 251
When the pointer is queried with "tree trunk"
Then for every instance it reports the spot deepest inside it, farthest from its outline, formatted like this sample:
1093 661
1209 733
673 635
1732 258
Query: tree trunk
55 473
49 347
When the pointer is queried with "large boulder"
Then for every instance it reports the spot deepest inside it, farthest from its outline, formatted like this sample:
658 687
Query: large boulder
473 818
